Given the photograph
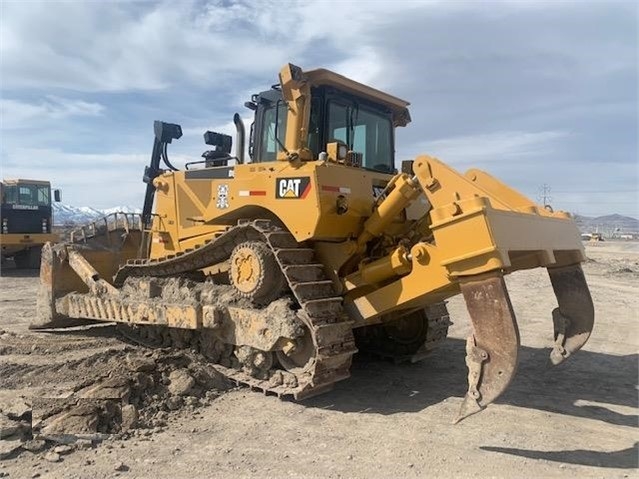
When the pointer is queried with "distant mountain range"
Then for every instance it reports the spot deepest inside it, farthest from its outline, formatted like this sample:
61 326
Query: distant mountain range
608 225
67 215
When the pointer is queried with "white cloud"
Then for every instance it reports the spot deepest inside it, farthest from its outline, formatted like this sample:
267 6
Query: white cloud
491 147
54 158
120 46
18 114
97 180
365 66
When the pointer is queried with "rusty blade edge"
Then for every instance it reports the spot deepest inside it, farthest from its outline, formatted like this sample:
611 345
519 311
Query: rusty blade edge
496 337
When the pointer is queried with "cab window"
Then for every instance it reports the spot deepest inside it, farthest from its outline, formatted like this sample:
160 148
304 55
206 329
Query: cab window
10 195
30 195
269 145
43 196
364 131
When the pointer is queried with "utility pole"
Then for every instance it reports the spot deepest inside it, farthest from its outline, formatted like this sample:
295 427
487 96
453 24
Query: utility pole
544 195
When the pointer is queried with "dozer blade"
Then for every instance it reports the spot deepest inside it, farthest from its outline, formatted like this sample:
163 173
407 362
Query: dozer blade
492 349
52 281
574 318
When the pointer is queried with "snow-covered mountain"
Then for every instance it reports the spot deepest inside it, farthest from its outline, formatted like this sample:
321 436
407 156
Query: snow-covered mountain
123 209
78 215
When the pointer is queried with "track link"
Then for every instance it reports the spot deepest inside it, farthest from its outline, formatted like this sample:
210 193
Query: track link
320 308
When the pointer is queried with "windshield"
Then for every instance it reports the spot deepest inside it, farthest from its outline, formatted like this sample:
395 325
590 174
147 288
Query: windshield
31 195
364 131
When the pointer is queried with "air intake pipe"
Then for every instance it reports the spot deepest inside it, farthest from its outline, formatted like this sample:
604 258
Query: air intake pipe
239 143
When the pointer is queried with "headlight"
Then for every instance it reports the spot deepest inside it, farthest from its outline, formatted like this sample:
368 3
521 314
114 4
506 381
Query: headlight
342 150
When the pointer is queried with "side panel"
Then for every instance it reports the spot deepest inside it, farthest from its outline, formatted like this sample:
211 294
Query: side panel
192 205
12 243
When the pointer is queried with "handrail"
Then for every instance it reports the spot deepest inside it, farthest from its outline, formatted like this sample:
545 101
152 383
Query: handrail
108 223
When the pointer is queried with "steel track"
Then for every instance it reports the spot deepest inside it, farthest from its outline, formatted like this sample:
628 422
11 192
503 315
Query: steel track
320 308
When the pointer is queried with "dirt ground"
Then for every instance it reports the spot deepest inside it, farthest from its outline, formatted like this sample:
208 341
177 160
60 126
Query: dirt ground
578 420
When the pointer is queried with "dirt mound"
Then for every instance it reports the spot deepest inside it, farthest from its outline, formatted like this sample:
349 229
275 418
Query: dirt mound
121 393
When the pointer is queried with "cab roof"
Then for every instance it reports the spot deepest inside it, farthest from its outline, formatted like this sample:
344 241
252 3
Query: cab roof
16 181
398 107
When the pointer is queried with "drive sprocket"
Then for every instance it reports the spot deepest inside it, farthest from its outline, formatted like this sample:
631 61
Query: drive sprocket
255 273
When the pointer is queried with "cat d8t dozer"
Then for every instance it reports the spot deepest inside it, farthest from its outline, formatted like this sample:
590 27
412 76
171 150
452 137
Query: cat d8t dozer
280 267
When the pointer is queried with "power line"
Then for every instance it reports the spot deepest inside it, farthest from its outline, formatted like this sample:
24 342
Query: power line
544 195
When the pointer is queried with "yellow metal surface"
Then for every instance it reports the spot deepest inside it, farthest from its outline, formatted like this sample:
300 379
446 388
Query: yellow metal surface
473 233
395 264
113 308
188 213
88 273
404 192
27 239
427 283
12 243
297 93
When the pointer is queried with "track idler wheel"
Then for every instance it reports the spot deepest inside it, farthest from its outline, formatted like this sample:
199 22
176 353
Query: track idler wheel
492 349
301 357
574 319
254 362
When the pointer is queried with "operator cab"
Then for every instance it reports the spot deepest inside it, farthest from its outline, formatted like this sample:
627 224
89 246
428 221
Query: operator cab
342 111
26 206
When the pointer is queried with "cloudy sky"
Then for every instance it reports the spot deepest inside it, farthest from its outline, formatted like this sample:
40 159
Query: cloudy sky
534 92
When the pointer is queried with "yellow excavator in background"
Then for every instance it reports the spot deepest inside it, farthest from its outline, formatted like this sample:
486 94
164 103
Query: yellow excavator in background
280 268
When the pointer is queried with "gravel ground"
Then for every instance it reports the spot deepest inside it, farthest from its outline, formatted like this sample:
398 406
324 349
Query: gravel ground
578 420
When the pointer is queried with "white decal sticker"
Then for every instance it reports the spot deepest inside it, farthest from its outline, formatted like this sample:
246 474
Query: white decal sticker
222 196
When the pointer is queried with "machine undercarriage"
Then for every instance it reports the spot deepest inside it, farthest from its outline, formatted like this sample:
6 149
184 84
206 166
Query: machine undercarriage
289 336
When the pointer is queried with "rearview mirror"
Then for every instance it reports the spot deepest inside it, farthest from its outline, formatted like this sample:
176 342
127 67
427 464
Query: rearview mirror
57 196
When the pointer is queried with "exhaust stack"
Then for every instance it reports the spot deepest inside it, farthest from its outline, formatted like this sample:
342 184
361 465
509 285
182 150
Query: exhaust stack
241 135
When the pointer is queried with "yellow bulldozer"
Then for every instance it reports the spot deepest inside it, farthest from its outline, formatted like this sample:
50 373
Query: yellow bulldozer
279 268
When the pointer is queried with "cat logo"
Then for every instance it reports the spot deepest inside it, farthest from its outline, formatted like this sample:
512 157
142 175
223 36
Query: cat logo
292 188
